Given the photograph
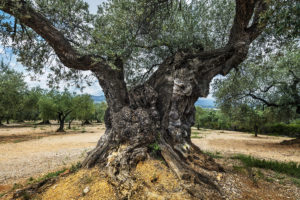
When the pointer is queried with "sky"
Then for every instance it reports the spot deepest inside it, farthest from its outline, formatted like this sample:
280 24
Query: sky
41 80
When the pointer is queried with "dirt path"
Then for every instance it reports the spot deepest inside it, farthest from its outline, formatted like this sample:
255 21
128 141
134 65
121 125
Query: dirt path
34 157
231 142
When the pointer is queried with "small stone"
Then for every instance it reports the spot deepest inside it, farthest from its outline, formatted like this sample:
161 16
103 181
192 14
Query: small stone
86 190
219 176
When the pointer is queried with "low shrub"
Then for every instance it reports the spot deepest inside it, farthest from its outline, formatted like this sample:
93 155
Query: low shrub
291 130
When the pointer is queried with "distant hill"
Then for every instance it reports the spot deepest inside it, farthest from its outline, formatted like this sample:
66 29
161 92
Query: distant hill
98 99
205 103
202 102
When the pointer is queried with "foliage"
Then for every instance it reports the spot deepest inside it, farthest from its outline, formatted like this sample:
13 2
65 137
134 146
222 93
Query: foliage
47 108
209 118
75 167
30 108
83 107
244 118
292 130
100 109
291 168
12 90
273 83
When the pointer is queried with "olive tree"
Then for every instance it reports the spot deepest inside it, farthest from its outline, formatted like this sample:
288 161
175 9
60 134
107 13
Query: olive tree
153 60
12 90
83 107
100 109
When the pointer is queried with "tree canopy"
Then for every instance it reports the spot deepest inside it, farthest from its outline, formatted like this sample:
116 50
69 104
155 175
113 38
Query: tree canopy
140 33
12 90
273 83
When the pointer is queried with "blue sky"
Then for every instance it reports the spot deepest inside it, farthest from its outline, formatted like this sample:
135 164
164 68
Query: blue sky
41 80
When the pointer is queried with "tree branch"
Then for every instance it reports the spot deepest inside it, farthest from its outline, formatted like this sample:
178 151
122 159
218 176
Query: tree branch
43 27
263 100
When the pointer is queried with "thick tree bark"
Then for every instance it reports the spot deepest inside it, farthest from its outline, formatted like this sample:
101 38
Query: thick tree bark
7 121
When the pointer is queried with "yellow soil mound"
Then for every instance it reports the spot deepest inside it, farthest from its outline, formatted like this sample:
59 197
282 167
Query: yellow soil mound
153 180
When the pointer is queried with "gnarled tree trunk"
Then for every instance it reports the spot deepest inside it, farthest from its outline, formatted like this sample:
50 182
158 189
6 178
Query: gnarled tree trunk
161 111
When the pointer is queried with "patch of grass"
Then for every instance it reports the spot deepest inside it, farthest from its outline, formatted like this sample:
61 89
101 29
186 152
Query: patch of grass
279 177
240 169
75 128
19 140
196 136
75 167
270 180
290 168
30 180
296 181
16 186
217 154
83 130
155 151
260 174
51 175
2 194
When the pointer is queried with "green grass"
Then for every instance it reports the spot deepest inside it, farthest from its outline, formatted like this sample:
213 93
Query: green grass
291 168
196 136
296 181
50 175
75 167
2 194
217 154
240 169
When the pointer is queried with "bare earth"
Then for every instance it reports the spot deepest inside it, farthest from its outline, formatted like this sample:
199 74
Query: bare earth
20 159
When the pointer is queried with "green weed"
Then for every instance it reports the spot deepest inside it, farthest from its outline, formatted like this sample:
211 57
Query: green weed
240 169
217 154
51 175
296 181
75 168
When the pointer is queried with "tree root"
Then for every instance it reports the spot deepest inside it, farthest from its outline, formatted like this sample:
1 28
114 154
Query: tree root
34 189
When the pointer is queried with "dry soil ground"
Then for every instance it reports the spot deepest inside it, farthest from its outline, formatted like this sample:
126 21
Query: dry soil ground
30 151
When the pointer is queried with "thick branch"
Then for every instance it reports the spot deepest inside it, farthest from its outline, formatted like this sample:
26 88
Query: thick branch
43 27
269 104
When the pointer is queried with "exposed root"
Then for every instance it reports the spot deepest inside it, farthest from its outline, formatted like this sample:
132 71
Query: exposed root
197 180
34 189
